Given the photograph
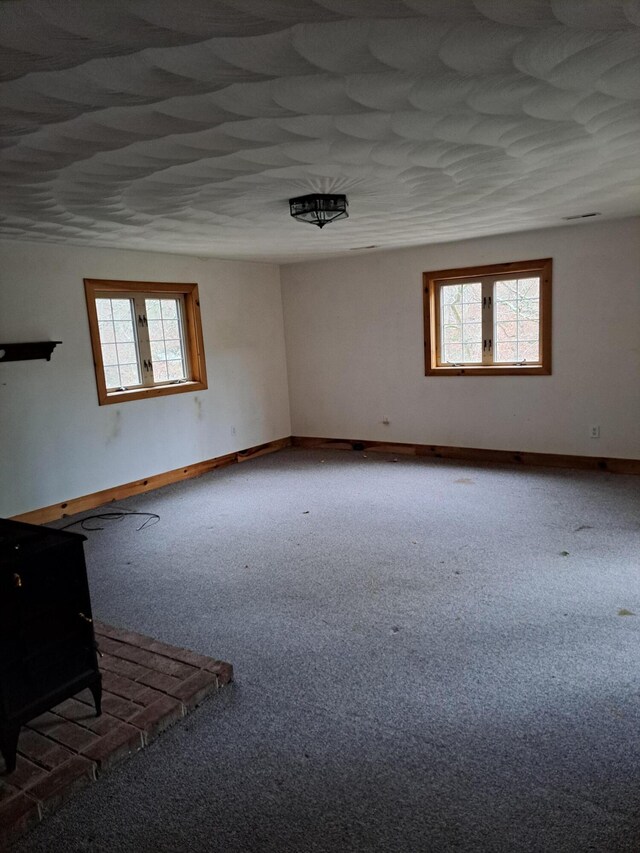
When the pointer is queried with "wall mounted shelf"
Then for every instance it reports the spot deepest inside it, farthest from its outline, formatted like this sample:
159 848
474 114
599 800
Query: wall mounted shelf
22 352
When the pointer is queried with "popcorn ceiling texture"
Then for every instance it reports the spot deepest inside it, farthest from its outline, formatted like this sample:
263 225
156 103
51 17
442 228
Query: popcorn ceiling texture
185 127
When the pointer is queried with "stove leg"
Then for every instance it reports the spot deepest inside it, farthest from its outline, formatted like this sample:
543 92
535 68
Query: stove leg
96 692
9 746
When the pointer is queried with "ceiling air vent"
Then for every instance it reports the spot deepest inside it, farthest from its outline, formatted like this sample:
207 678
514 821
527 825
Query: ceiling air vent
581 216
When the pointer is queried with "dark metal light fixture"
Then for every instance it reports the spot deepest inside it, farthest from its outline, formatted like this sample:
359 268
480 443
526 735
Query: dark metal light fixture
318 209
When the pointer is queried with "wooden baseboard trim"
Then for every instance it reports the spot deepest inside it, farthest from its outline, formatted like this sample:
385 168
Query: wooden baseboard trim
465 454
118 493
474 454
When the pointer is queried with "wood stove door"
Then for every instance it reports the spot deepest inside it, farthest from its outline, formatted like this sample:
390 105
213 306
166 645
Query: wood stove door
46 635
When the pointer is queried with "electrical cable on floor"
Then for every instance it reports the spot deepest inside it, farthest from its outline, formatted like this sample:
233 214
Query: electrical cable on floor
152 518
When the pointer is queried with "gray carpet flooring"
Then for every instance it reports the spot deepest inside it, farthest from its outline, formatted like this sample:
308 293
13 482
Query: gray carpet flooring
430 656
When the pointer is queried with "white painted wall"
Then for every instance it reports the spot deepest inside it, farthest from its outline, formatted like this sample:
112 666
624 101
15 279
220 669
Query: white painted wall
354 335
58 443
353 329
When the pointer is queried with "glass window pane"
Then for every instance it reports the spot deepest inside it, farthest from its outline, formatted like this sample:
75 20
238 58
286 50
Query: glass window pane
109 354
126 354
112 377
507 351
103 307
155 330
472 332
451 293
452 314
129 375
124 330
529 288
169 309
528 330
453 353
528 351
505 290
152 307
121 309
107 335
472 352
506 332
472 292
472 312
529 309
173 349
176 370
170 329
453 334
160 373
505 311
157 351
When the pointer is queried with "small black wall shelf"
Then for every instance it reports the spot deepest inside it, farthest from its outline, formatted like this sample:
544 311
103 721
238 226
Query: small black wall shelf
22 352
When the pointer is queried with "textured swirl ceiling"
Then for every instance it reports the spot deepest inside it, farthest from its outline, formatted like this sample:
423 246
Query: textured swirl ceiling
186 126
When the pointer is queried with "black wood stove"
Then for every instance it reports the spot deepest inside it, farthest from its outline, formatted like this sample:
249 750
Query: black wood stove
47 642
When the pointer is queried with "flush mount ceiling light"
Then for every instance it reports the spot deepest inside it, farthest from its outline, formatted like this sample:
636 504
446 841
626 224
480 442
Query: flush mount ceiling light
318 209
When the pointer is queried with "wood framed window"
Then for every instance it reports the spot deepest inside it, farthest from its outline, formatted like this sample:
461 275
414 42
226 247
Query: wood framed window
488 321
146 339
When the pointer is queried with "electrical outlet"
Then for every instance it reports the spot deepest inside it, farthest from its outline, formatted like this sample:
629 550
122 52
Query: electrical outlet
386 421
594 431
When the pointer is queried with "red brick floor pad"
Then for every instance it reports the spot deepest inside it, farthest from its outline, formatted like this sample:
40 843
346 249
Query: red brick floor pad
147 686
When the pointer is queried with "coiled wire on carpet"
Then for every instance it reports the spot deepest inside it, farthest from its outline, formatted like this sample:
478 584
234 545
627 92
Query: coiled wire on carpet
152 518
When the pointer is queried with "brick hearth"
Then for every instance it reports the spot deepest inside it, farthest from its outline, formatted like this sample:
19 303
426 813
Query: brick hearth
147 686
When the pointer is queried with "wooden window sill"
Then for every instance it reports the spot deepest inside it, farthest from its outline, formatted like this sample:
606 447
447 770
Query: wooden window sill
490 370
153 391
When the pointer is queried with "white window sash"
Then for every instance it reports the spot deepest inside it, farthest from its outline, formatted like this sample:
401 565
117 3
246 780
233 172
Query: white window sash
141 335
488 320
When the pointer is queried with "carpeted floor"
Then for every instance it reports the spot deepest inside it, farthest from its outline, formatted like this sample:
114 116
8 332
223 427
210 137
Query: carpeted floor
429 656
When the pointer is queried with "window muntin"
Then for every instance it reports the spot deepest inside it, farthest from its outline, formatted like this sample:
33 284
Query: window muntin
146 338
489 320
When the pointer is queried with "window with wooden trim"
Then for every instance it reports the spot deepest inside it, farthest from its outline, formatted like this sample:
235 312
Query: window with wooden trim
488 320
146 339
